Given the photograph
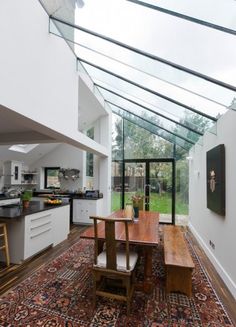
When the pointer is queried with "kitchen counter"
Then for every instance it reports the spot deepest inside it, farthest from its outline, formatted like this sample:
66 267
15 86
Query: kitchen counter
32 230
16 211
70 195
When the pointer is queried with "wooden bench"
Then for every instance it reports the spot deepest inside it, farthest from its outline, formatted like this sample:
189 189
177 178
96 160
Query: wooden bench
178 261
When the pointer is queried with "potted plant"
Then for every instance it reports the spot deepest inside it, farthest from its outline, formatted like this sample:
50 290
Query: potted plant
26 197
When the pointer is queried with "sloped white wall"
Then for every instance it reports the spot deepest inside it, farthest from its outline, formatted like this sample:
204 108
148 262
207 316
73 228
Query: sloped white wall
38 70
39 77
204 223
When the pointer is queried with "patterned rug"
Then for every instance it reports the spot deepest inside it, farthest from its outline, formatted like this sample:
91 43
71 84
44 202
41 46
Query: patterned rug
59 294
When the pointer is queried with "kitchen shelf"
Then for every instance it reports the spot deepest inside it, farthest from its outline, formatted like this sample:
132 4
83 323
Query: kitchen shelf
24 173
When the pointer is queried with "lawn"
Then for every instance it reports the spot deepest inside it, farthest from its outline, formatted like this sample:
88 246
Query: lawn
159 202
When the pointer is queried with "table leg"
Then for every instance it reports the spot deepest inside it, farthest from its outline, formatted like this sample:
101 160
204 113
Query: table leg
147 285
100 246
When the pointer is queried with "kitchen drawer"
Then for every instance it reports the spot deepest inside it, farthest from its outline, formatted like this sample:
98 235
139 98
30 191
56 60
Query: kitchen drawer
38 233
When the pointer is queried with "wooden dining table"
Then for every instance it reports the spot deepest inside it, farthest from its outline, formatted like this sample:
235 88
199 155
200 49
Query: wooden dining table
143 232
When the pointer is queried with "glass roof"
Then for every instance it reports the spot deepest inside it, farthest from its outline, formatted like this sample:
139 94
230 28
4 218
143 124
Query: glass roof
146 61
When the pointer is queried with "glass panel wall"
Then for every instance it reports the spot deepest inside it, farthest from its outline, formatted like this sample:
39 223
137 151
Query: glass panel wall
161 190
182 184
117 159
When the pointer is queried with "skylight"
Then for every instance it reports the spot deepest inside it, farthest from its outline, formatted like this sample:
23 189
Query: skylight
23 148
163 62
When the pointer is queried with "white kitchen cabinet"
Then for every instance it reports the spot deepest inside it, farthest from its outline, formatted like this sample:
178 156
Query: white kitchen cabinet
12 172
83 209
31 234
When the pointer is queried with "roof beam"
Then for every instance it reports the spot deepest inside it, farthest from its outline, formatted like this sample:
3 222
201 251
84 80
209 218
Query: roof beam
148 55
148 109
185 17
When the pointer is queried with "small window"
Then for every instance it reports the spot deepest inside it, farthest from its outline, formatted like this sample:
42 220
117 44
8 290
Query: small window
89 156
51 177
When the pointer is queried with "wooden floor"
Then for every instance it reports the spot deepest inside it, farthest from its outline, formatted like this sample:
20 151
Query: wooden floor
13 275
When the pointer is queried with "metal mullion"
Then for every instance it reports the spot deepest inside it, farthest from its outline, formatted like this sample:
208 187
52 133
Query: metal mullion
148 90
155 133
148 55
154 124
185 17
150 110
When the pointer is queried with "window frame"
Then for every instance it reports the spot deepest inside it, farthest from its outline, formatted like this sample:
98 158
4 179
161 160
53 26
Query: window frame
46 169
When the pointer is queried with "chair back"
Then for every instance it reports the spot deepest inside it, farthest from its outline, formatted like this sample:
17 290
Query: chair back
110 240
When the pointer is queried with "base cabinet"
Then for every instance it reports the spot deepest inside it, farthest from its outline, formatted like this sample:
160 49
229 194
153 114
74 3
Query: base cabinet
83 209
33 233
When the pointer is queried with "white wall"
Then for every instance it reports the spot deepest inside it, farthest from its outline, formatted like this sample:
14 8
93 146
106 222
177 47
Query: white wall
39 79
64 156
204 223
36 67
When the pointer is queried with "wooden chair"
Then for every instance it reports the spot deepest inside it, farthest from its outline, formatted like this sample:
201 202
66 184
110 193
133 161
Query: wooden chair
4 244
113 268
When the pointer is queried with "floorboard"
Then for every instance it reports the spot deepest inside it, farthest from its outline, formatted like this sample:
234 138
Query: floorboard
11 276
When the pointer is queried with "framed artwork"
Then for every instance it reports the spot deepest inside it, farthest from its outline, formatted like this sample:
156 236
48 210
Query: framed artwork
216 179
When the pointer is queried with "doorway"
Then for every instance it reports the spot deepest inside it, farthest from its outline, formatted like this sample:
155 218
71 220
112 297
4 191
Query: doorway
154 180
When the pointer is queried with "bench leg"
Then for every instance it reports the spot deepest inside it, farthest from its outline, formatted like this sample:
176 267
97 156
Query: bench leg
179 279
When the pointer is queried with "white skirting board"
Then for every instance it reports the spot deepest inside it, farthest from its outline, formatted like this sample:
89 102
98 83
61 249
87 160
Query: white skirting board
221 271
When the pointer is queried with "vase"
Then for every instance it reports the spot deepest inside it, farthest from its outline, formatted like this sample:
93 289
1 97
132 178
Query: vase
136 212
25 204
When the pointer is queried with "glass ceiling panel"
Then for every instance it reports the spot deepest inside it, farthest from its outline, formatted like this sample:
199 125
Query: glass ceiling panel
190 120
174 42
177 40
152 129
151 116
168 80
114 94
136 91
158 122
218 12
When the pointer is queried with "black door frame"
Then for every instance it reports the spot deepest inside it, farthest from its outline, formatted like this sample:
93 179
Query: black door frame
147 162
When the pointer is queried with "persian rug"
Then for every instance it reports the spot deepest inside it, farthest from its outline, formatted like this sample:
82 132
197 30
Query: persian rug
59 294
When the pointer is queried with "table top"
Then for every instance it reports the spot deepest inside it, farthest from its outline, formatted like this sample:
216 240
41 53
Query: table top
143 231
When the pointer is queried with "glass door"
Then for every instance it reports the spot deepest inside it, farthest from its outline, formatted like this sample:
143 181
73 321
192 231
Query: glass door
154 180
161 189
134 180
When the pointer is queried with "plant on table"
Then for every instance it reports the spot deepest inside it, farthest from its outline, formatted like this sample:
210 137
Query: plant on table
26 197
137 200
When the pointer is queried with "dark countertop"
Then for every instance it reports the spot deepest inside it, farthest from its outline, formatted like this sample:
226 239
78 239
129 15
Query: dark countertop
65 195
16 211
76 197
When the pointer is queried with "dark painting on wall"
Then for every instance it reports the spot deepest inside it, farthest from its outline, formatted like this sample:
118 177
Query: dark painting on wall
216 179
